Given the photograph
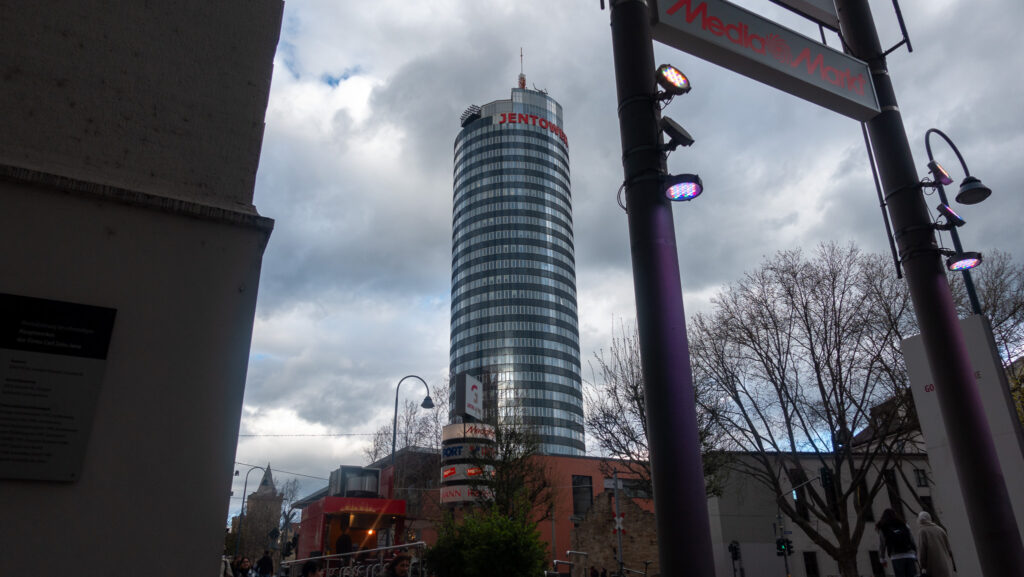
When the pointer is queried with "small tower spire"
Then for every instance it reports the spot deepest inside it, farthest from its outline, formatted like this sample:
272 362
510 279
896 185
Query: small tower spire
522 77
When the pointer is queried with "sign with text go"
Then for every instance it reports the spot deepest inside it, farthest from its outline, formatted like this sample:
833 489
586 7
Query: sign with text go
730 36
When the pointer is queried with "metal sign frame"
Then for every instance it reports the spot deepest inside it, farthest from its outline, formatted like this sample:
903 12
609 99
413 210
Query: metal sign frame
740 40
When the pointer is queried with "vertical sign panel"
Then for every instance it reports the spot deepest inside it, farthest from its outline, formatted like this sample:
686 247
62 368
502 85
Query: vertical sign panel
52 358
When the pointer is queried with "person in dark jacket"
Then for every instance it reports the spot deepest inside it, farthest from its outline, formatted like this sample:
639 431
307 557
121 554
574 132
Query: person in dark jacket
265 566
896 543
244 568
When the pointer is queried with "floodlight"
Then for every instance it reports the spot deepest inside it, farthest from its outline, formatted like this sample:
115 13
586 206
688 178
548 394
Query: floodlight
672 80
677 135
972 191
683 186
939 174
952 218
963 261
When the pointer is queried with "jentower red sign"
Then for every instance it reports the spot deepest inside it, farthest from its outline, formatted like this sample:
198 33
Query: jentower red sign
744 42
534 120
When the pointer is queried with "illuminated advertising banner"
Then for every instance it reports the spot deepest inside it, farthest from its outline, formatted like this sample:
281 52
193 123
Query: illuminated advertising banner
737 39
465 472
466 451
464 493
467 431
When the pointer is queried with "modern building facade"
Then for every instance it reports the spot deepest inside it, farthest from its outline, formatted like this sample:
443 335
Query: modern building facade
513 316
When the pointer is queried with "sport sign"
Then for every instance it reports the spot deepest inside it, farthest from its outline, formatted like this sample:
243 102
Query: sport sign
729 36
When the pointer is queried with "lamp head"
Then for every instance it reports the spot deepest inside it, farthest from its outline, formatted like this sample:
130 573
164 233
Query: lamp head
972 191
952 218
677 135
963 261
672 80
683 186
939 174
428 403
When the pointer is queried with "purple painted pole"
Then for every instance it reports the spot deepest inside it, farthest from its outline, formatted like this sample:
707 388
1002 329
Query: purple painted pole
993 525
680 504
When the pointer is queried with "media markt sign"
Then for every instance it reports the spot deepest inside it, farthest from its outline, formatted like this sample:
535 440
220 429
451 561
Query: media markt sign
730 36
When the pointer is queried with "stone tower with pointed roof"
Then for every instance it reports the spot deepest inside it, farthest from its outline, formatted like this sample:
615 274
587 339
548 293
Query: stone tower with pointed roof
262 516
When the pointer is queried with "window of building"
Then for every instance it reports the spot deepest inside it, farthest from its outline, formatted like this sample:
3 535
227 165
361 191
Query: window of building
796 477
828 483
929 505
893 488
582 494
811 564
862 498
921 477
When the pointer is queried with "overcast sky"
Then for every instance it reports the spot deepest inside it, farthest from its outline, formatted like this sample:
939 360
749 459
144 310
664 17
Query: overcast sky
356 171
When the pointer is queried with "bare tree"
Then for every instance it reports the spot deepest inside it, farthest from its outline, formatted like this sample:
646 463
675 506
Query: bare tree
799 351
999 283
520 486
616 414
417 427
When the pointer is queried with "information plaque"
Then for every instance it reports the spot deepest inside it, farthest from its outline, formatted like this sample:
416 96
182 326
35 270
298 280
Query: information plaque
52 358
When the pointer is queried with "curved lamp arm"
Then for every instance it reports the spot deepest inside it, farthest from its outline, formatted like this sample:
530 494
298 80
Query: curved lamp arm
427 404
928 148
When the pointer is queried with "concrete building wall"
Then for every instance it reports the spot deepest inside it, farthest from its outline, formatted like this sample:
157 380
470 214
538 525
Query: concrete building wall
131 141
162 97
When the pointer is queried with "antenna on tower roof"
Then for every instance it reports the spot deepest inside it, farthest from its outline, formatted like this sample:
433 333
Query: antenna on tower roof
522 77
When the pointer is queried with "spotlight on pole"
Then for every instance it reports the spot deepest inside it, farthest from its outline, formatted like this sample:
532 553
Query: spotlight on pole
952 218
972 191
683 186
963 261
939 173
677 135
672 80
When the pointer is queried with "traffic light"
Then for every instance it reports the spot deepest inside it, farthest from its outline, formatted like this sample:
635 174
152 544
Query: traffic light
789 547
780 547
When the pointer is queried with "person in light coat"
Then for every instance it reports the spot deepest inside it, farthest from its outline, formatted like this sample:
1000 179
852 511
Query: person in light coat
933 550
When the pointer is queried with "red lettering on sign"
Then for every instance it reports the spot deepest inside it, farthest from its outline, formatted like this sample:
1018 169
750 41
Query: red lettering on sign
516 118
738 33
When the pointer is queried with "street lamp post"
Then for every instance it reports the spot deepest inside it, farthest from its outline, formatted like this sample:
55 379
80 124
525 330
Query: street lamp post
426 404
972 295
241 513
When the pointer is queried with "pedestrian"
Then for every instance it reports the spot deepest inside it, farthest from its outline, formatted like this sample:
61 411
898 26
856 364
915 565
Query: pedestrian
604 572
244 568
265 565
399 566
933 550
312 569
225 567
897 544
593 571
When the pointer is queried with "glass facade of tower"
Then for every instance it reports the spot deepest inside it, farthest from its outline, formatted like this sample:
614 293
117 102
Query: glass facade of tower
513 317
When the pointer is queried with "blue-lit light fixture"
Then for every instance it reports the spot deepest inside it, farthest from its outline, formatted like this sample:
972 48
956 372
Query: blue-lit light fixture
683 187
963 261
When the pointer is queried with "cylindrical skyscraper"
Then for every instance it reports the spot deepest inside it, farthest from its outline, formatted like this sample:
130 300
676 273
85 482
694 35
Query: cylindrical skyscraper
514 322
